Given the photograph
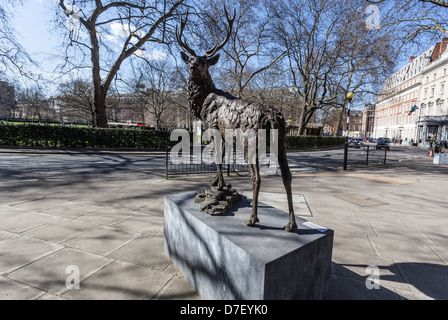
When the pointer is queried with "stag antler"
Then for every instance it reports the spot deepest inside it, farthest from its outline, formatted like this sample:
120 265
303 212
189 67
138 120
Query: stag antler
182 44
211 52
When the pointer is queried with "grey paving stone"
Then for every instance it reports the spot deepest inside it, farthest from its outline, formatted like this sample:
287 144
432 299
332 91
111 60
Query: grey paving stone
25 220
18 252
60 230
50 273
41 204
106 216
430 279
146 251
102 240
13 290
72 209
142 224
359 266
342 288
177 289
121 281
5 235
402 250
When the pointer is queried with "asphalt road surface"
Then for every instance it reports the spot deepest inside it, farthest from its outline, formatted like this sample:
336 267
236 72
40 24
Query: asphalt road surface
100 165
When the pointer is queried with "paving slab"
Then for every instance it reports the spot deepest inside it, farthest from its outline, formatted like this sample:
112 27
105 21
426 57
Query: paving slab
112 230
428 278
18 252
40 204
71 209
145 251
102 240
51 272
60 230
140 223
121 281
23 221
402 250
13 290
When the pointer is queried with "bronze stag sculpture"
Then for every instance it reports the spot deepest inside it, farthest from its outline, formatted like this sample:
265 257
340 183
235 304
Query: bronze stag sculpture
220 110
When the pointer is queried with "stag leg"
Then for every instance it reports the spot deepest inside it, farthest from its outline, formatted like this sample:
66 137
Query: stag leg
219 178
287 180
256 182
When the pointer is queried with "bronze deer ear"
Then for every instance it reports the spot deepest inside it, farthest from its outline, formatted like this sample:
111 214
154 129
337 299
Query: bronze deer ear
213 60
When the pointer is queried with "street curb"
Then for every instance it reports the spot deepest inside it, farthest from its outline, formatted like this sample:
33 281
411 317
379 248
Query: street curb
78 151
32 150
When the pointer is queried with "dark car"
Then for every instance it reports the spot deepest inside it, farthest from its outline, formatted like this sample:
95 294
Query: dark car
355 142
382 143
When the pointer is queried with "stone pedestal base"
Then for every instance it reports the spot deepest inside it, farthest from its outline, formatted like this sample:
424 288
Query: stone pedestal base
223 259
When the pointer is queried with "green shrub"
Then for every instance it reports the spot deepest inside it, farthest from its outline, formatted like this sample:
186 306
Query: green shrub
81 137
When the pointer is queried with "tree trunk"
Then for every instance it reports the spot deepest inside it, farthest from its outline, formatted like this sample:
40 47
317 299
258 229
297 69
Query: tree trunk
339 123
100 109
302 124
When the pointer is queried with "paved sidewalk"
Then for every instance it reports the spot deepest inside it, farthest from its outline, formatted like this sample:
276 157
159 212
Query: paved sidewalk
390 219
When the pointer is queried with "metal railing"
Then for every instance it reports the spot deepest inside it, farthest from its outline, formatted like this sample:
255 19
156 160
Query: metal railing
194 165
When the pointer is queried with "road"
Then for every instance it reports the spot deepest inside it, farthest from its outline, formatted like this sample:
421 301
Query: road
76 166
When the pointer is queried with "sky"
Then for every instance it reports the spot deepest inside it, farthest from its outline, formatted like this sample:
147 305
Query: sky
33 22
35 28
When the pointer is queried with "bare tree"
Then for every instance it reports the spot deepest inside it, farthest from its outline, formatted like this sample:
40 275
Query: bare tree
330 52
152 86
33 104
415 17
78 98
135 23
249 51
13 56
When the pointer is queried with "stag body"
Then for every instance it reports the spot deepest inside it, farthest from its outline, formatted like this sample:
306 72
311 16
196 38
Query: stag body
220 110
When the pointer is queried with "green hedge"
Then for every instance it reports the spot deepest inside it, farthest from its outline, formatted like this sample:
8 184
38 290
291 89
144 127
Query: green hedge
79 137
302 142
82 137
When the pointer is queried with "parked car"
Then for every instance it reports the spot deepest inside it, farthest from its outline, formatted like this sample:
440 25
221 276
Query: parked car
355 142
382 143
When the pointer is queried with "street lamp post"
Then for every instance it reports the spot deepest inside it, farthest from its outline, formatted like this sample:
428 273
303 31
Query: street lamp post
350 96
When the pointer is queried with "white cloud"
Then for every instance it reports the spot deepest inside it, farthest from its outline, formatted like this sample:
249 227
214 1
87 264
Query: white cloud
157 55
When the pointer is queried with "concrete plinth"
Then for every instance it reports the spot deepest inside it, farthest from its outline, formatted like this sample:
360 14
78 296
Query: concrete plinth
440 158
223 259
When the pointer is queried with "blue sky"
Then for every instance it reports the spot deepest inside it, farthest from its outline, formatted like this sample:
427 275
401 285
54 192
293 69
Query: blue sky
33 22
35 28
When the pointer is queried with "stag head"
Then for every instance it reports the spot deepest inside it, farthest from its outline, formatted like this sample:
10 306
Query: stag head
199 64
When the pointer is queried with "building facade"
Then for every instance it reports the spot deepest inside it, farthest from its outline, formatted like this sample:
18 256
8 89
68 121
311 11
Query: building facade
355 127
432 120
7 100
407 107
368 121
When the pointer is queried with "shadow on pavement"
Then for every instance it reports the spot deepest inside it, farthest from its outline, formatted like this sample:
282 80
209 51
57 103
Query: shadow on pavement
422 278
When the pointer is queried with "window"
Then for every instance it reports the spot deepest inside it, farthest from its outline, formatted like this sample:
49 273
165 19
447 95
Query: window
442 89
425 94
432 91
434 76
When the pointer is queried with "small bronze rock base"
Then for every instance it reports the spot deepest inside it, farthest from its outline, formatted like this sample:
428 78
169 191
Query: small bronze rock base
217 202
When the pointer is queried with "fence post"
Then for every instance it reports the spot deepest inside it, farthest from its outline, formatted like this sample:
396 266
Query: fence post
385 154
367 157
345 155
166 163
